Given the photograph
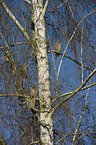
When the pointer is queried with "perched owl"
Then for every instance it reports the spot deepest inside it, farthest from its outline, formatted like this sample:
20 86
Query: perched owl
24 72
58 47
33 96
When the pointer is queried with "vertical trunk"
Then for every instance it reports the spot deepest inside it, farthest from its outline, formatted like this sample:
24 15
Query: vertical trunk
46 121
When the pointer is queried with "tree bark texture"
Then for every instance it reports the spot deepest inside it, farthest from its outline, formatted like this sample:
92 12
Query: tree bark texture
46 121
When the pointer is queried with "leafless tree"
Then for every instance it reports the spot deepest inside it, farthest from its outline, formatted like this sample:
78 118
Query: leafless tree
44 99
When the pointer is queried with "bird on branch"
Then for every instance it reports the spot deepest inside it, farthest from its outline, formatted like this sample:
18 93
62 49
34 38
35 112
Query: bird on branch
58 47
33 96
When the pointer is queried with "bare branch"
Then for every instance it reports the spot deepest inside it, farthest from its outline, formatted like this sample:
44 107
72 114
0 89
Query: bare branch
27 1
15 20
82 69
45 7
71 11
72 37
78 126
56 8
19 43
11 95
35 142
85 132
84 88
84 135
74 92
79 123
71 59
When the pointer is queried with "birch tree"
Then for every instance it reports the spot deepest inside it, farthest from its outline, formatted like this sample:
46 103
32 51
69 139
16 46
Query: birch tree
38 42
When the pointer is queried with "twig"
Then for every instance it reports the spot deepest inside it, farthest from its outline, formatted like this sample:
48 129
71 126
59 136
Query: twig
72 37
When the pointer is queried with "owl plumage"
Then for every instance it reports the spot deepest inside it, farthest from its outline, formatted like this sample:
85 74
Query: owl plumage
24 72
33 96
58 47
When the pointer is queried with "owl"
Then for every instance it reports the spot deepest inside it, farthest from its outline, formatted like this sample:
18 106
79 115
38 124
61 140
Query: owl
58 47
24 72
33 92
33 96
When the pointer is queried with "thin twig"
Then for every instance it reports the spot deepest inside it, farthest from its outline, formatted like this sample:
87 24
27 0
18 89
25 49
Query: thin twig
71 59
82 71
65 94
74 92
72 37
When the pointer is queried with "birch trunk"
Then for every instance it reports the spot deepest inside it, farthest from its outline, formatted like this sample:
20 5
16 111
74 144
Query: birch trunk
39 36
46 121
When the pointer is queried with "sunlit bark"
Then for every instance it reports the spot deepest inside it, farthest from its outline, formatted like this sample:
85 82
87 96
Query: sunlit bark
46 122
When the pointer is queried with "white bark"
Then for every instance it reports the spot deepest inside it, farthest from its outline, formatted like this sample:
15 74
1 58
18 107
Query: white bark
40 48
46 121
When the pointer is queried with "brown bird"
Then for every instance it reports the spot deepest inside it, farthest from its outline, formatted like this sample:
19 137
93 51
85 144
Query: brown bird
58 47
33 96
24 71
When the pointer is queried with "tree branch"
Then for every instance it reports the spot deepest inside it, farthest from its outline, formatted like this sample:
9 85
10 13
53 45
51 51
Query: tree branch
71 59
11 95
85 132
83 136
74 92
55 9
45 7
19 43
71 11
72 38
79 123
27 1
15 20
84 88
